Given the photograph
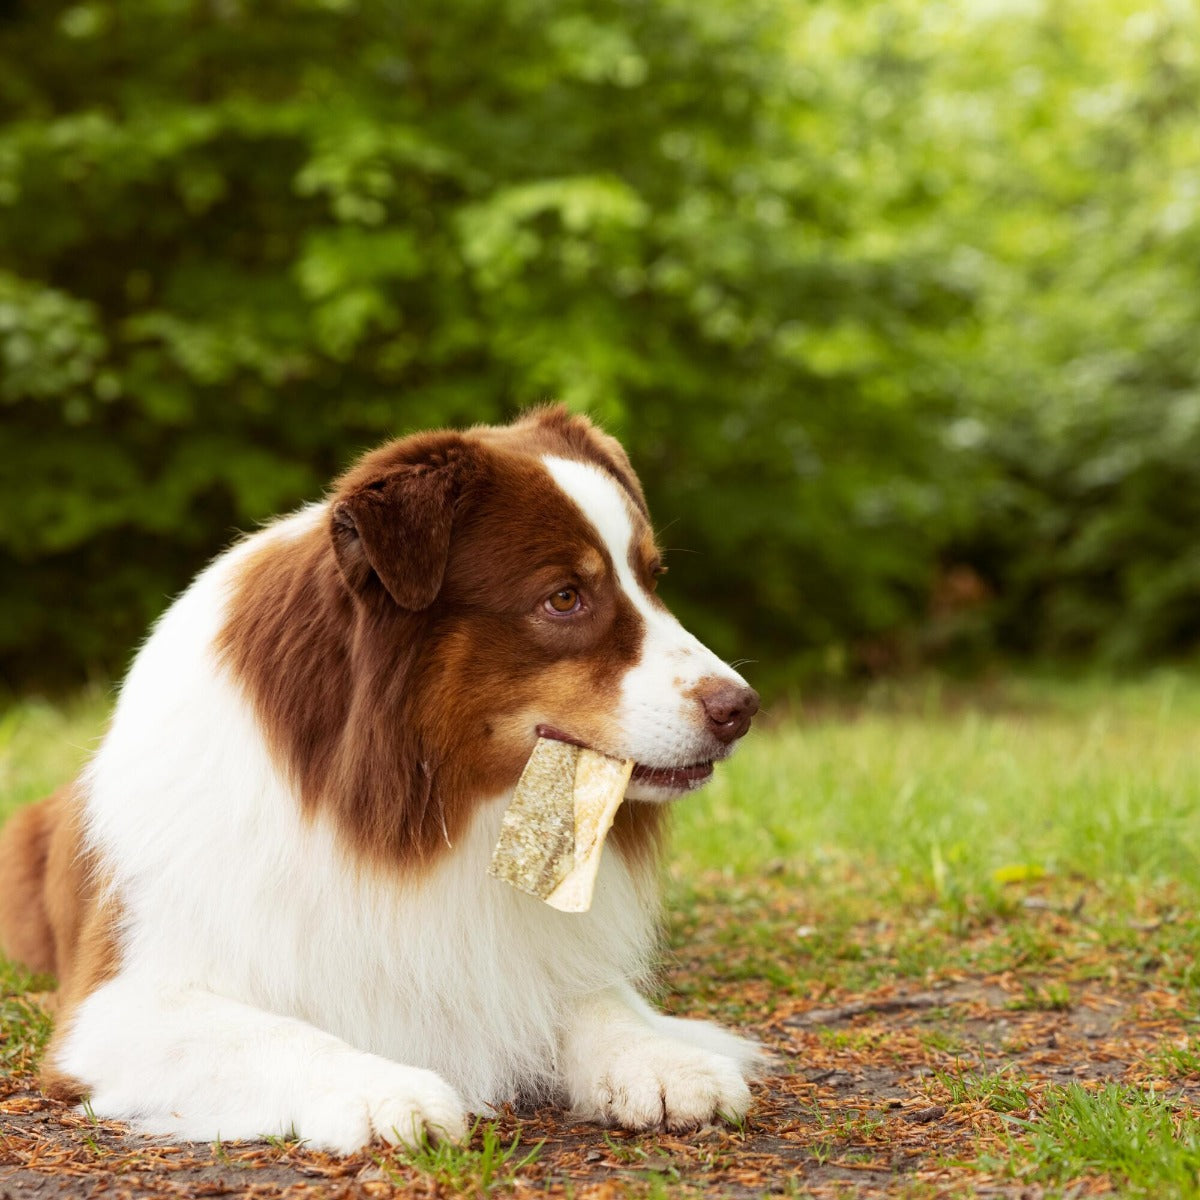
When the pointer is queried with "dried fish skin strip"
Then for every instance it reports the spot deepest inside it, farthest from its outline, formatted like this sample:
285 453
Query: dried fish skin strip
536 848
553 831
600 784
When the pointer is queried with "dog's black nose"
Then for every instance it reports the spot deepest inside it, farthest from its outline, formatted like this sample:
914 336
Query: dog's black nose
728 707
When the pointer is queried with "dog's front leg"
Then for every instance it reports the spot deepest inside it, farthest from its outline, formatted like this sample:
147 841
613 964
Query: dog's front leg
197 1066
625 1065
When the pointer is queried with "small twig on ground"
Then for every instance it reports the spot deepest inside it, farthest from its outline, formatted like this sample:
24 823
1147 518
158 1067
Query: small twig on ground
922 1116
830 1016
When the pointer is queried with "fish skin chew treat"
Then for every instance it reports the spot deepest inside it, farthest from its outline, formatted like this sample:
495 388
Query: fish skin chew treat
553 831
600 784
537 837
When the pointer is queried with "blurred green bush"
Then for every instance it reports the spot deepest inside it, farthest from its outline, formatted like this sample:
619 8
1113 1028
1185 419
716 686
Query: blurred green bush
895 304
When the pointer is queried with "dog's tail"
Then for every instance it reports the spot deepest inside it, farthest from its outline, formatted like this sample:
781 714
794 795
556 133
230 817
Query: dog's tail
31 848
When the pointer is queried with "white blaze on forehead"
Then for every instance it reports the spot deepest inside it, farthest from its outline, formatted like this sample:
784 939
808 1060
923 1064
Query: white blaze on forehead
603 501
658 721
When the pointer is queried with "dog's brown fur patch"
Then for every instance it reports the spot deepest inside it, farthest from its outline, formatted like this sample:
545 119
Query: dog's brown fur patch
54 915
26 932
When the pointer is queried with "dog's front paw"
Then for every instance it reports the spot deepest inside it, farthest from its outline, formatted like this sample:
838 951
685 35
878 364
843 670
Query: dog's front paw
398 1104
664 1084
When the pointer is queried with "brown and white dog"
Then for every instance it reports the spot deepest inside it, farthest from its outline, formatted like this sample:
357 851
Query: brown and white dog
266 897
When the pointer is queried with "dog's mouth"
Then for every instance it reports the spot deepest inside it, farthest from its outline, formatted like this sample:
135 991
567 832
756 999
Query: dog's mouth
674 779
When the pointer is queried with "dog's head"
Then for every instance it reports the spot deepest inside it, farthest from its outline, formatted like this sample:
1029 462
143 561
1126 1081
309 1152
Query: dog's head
466 593
527 554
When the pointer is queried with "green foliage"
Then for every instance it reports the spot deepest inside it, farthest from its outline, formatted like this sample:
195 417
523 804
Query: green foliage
1087 364
881 296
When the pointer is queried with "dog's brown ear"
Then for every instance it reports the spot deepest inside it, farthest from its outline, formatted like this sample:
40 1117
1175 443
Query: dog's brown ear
394 528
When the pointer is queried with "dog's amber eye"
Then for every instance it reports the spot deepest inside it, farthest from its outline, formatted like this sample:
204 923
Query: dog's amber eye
657 571
565 600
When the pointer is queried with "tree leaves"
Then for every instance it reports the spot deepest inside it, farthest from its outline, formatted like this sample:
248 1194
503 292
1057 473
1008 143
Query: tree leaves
875 293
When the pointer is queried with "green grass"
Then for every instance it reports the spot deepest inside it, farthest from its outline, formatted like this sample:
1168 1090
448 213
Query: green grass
24 1025
43 746
1050 997
1050 780
893 834
1046 781
883 838
1180 1061
483 1164
1136 1137
1000 1090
